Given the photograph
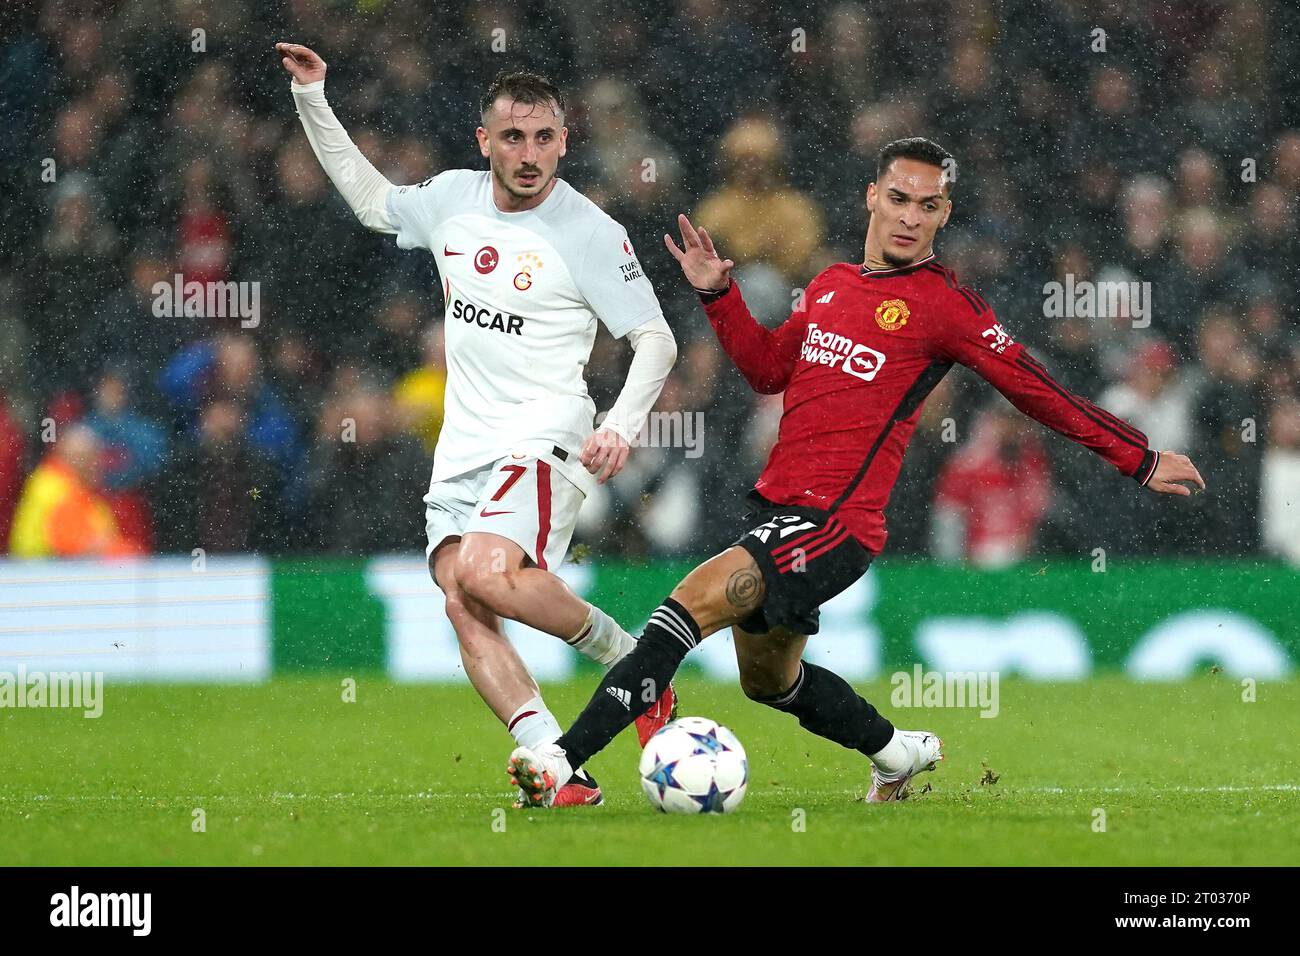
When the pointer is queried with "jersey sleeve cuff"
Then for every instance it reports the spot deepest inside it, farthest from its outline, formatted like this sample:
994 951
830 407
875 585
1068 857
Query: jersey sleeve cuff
619 428
1150 461
709 296
304 89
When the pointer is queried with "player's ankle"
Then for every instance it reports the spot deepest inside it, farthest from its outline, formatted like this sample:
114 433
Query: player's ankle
601 639
532 724
894 758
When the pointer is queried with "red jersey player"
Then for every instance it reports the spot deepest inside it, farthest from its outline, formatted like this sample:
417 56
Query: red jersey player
855 362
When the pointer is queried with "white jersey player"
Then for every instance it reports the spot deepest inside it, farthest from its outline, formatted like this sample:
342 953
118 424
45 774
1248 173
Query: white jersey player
528 267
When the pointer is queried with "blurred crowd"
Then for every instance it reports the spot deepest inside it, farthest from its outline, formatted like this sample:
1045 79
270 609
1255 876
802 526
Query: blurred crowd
1145 141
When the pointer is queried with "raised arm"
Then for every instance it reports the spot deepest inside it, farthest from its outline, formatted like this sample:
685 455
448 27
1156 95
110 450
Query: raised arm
977 340
362 186
764 356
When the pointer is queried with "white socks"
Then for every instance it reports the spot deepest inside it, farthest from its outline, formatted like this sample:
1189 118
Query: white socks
601 639
895 759
533 725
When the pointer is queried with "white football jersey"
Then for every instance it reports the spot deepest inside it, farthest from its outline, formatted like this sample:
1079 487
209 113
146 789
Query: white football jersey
523 291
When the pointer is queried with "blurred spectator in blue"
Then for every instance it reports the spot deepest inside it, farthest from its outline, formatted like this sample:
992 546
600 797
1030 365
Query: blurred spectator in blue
131 454
227 368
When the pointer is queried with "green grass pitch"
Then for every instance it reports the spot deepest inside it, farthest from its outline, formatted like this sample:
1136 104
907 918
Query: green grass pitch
287 773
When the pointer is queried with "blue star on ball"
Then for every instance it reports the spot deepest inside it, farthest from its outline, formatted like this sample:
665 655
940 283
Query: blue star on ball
710 802
708 743
662 777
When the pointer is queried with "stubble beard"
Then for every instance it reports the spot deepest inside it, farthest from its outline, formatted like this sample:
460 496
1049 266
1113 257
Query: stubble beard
506 183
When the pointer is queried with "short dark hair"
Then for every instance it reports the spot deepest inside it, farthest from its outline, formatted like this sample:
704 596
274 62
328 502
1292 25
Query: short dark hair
532 89
922 150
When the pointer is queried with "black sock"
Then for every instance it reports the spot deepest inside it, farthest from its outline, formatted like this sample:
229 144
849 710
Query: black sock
826 705
622 695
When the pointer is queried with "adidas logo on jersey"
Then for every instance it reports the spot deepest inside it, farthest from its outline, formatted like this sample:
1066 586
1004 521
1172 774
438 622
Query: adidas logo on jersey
830 348
823 299
622 696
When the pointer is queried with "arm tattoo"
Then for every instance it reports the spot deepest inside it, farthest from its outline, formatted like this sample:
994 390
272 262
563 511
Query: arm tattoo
745 589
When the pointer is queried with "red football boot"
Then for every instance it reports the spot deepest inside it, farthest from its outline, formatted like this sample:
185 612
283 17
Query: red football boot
661 712
582 790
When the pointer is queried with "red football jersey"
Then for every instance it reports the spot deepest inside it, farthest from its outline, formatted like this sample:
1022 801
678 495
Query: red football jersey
856 362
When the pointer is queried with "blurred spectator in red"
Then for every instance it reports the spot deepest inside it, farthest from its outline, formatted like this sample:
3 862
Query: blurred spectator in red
1154 397
13 452
992 494
203 234
62 512
132 454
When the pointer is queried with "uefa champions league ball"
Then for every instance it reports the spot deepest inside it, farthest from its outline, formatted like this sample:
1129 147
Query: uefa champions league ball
694 765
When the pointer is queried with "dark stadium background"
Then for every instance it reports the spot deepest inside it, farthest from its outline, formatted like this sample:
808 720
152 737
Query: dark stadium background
277 682
1127 164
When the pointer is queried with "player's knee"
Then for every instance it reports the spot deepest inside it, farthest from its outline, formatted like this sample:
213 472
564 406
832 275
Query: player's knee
724 589
491 587
690 596
703 602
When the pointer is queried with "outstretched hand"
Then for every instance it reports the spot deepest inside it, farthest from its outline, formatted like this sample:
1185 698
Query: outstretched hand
302 63
1173 474
699 260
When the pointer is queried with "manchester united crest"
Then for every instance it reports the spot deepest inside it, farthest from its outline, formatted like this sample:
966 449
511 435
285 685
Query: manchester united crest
891 315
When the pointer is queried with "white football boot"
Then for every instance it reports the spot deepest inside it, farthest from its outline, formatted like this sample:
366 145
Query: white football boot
539 773
926 750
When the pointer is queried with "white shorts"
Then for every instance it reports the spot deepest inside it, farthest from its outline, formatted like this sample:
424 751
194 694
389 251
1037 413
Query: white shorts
523 498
